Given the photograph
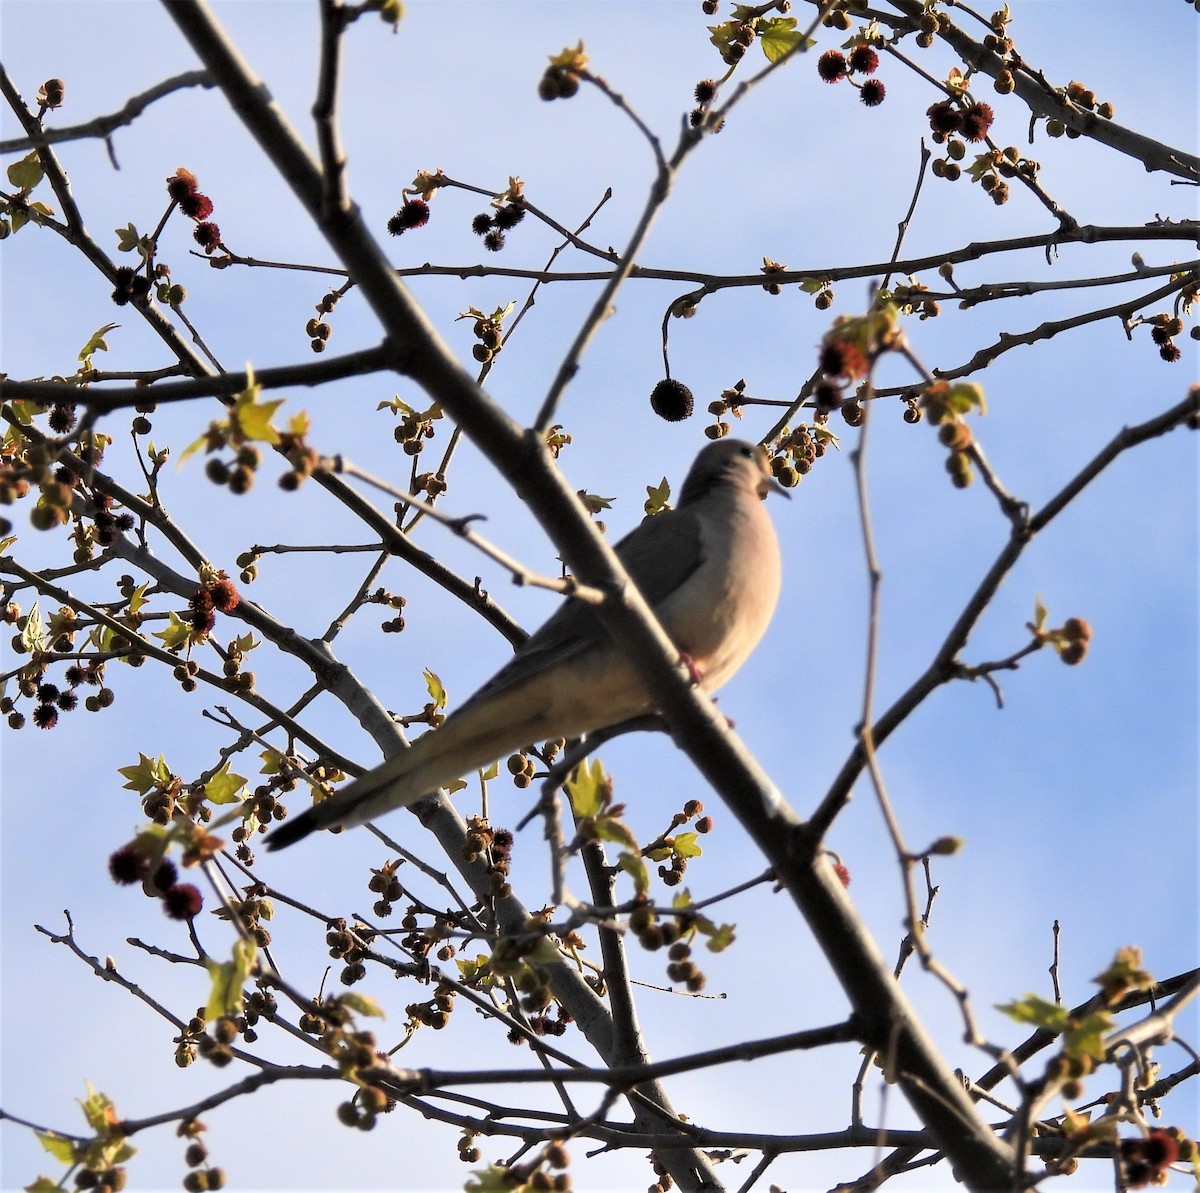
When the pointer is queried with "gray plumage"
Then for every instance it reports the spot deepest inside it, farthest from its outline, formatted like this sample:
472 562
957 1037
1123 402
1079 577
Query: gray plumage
710 570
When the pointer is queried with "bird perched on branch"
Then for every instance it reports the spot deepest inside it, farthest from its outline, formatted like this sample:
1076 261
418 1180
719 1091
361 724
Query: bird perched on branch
709 568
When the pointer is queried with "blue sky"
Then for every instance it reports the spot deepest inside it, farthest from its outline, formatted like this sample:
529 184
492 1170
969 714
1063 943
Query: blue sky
1077 801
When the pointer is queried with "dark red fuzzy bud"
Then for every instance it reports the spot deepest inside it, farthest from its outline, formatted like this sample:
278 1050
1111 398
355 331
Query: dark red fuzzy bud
872 93
831 65
182 901
863 60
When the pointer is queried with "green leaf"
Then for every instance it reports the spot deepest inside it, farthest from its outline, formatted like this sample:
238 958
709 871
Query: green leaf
489 772
493 1179
5 543
636 868
1038 1011
593 502
433 685
228 977
609 828
177 634
272 762
587 788
33 636
363 1004
779 37
128 238
1040 613
148 773
688 845
224 787
44 1184
59 1146
966 396
99 1111
95 344
26 173
1085 1037
253 416
657 497
720 938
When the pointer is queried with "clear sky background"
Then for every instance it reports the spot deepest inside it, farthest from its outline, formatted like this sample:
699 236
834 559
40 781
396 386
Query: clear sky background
1077 801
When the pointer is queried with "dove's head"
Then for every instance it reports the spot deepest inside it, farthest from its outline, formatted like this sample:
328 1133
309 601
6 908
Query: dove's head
733 462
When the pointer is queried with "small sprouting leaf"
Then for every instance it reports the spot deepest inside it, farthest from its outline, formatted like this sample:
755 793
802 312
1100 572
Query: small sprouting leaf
99 1110
588 788
137 599
687 845
60 1147
252 416
299 424
228 977
720 938
26 173
570 59
128 238
1037 1011
488 773
177 634
272 762
148 773
636 868
813 285
224 787
609 828
33 636
433 685
363 1004
1040 614
95 344
966 396
593 502
1085 1037
657 497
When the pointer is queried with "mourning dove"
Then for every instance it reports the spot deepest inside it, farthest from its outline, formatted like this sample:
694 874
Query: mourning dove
710 570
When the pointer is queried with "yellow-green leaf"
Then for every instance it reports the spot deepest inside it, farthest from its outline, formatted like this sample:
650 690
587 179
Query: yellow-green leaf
224 787
272 762
146 774
26 173
779 37
96 343
228 977
128 238
688 845
720 938
657 497
433 685
33 636
177 633
635 867
1038 1011
253 416
99 1111
59 1146
363 1004
587 788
